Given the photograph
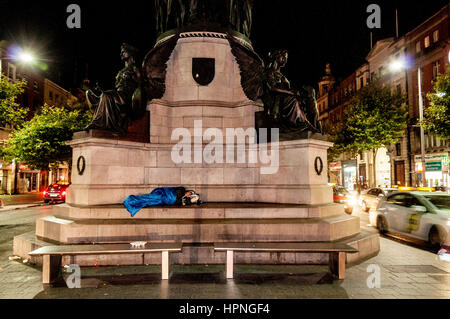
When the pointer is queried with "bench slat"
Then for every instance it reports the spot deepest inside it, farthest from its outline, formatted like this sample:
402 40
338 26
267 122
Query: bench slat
105 249
286 247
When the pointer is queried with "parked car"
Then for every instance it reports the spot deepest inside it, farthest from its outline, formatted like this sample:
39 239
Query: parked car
342 195
422 215
56 193
371 199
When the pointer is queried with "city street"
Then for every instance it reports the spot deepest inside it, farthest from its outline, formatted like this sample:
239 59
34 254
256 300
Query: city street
406 272
203 150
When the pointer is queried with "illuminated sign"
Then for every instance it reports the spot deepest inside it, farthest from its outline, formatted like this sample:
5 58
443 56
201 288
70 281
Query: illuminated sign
433 167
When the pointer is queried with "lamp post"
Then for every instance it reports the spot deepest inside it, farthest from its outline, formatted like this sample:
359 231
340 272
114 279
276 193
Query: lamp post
422 132
395 67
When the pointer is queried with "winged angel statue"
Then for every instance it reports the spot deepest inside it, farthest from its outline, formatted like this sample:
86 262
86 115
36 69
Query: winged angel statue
284 107
116 109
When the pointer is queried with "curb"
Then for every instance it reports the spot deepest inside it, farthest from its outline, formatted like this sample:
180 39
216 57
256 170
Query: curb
6 209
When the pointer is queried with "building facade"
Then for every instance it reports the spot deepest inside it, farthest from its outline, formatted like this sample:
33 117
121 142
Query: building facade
19 177
428 47
395 63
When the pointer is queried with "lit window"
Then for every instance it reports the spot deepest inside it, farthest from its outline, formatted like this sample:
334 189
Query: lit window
418 47
427 42
436 36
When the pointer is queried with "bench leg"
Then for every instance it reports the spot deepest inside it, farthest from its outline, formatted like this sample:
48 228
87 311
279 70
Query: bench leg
230 262
50 268
337 265
165 265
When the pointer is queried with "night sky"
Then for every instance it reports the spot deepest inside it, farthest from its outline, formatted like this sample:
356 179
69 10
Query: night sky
314 32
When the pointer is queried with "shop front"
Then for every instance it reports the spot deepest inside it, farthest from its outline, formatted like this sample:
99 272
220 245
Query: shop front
5 187
350 174
436 170
335 169
28 180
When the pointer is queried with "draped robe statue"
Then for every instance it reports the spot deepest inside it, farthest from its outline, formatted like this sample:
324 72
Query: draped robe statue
114 108
291 109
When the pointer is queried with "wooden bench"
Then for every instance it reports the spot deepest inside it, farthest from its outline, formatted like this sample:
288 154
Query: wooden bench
52 255
337 252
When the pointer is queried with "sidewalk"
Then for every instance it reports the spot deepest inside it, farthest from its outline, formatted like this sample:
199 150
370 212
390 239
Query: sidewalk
13 202
404 273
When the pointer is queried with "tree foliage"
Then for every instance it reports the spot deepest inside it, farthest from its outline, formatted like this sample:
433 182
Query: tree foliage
376 117
437 115
42 141
11 113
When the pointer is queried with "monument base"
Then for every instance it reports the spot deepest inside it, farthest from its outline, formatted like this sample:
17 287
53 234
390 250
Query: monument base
198 228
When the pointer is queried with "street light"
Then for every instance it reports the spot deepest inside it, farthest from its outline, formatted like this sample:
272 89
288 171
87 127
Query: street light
396 66
21 56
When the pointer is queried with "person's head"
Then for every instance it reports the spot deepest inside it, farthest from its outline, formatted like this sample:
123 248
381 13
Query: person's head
281 57
128 52
278 58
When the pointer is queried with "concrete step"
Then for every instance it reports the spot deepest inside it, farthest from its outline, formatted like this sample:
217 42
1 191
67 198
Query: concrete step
68 231
366 242
204 211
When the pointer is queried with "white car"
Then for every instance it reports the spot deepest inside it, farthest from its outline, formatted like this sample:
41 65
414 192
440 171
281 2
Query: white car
417 214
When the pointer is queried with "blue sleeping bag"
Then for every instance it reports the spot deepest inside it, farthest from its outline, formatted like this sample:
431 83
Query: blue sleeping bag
159 196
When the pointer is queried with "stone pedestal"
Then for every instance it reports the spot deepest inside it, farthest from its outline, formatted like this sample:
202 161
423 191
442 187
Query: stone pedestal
115 169
244 203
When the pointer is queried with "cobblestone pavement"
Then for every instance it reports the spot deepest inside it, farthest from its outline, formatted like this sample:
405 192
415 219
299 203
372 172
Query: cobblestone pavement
406 273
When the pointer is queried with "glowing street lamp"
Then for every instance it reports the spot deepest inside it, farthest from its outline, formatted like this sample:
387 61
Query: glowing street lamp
23 56
397 65
26 57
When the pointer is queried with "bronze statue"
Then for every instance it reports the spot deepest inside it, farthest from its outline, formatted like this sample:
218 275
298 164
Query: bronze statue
115 109
285 108
170 14
290 108
176 14
241 15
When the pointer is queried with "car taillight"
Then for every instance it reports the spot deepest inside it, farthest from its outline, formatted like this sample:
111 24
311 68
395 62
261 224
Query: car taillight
44 193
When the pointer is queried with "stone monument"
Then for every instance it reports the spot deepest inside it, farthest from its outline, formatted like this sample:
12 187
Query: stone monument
203 83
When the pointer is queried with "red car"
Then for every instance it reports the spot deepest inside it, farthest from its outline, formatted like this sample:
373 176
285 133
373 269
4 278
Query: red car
55 193
342 196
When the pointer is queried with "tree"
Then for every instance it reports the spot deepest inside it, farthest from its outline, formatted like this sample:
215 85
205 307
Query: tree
437 115
376 117
10 111
41 142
